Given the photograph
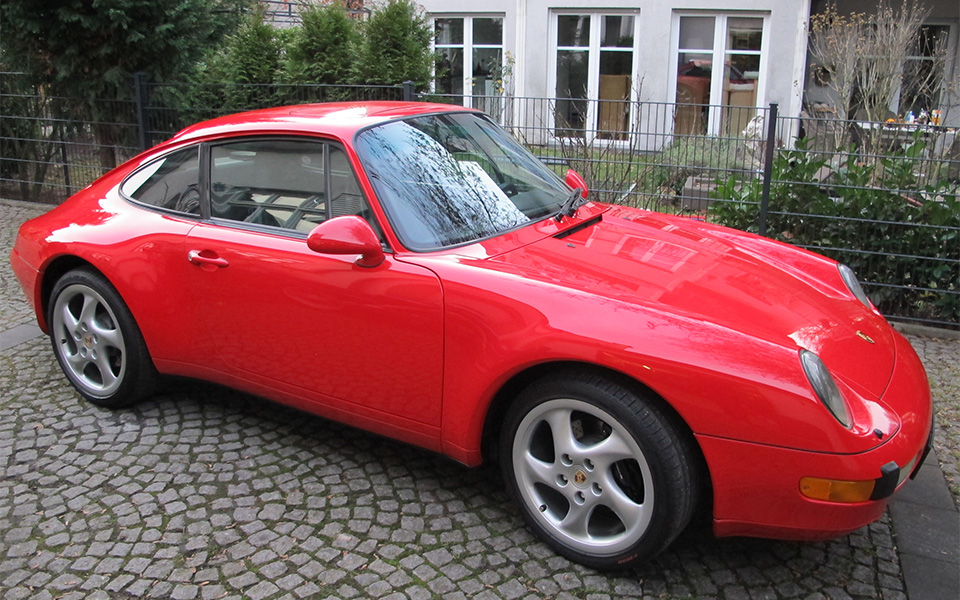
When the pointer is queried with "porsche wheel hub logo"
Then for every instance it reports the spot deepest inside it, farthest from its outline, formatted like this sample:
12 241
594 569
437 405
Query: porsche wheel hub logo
579 477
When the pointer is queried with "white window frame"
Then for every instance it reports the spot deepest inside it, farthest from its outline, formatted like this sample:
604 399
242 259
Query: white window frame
468 47
720 51
593 63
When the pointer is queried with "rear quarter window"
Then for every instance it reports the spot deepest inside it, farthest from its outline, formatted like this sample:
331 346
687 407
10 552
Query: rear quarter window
170 182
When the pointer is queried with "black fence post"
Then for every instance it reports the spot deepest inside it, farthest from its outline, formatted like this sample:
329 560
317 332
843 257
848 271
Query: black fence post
409 91
64 160
140 93
769 149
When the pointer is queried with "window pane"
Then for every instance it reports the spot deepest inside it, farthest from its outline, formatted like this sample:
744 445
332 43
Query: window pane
573 30
741 73
486 71
615 70
616 32
740 92
694 74
449 71
171 182
696 33
448 31
269 182
931 40
744 34
345 195
923 77
920 90
454 178
694 77
572 68
488 31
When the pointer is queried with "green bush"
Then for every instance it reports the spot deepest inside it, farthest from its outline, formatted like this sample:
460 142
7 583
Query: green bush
396 46
899 237
252 60
238 76
323 48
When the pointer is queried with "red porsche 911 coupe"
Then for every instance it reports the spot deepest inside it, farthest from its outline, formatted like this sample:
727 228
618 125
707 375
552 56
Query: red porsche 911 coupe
411 269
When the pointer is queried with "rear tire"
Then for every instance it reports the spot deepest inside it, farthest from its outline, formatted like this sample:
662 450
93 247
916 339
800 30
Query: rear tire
601 473
97 342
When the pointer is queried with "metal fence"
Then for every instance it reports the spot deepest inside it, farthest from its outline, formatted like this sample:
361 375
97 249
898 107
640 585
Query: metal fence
54 146
879 197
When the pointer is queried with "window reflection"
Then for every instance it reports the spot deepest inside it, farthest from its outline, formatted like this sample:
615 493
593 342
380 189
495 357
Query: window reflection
170 182
594 75
728 47
448 179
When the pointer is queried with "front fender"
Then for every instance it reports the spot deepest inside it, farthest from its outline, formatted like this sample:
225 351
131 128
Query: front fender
722 382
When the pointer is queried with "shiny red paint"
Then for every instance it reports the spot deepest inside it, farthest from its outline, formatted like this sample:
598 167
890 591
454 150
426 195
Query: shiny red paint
426 347
347 235
576 181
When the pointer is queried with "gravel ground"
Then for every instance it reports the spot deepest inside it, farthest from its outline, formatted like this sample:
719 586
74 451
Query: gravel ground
205 493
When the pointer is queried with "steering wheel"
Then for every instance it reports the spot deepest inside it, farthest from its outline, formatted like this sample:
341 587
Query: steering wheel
189 200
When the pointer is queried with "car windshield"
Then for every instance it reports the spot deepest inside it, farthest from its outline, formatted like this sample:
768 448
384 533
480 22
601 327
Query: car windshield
453 178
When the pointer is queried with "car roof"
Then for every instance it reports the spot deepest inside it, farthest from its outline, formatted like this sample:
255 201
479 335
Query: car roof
342 119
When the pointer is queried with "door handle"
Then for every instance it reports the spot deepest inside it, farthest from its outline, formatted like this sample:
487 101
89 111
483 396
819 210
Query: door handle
206 257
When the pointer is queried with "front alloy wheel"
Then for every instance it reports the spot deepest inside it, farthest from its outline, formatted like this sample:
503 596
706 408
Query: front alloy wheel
601 474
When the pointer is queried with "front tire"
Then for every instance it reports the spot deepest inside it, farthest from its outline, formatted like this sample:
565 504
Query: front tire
601 473
97 342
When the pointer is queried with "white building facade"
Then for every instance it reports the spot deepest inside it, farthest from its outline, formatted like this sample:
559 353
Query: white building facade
729 57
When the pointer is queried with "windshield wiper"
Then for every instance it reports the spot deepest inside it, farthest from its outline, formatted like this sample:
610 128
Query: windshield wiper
569 207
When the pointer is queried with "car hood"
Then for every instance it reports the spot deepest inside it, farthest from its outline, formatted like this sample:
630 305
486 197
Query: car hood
760 288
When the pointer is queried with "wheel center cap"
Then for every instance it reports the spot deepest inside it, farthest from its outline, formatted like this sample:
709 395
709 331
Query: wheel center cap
579 477
88 341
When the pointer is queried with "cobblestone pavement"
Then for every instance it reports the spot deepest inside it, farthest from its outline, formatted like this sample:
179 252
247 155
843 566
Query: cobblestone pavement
14 309
206 493
942 359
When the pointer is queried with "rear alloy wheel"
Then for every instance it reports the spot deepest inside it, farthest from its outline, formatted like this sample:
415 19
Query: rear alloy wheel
602 474
97 343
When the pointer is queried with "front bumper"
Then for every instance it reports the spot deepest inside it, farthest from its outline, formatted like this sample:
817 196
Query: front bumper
756 487
893 475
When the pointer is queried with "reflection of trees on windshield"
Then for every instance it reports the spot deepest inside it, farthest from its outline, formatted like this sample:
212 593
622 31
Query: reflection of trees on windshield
437 185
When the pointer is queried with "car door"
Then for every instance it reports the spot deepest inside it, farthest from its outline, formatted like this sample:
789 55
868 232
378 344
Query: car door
361 340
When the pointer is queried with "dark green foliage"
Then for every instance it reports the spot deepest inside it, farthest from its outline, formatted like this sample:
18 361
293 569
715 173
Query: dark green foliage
323 48
85 51
906 236
253 60
89 48
396 46
241 75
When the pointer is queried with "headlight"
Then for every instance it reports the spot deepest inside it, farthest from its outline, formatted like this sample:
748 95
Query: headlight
824 386
850 278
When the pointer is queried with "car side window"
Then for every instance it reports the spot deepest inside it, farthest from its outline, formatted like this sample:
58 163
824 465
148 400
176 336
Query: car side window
171 182
345 195
282 183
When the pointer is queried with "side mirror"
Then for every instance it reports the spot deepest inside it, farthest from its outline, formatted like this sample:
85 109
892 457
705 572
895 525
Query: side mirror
347 235
575 180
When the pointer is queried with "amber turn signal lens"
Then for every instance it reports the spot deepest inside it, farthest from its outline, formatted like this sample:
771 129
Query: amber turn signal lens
833 490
